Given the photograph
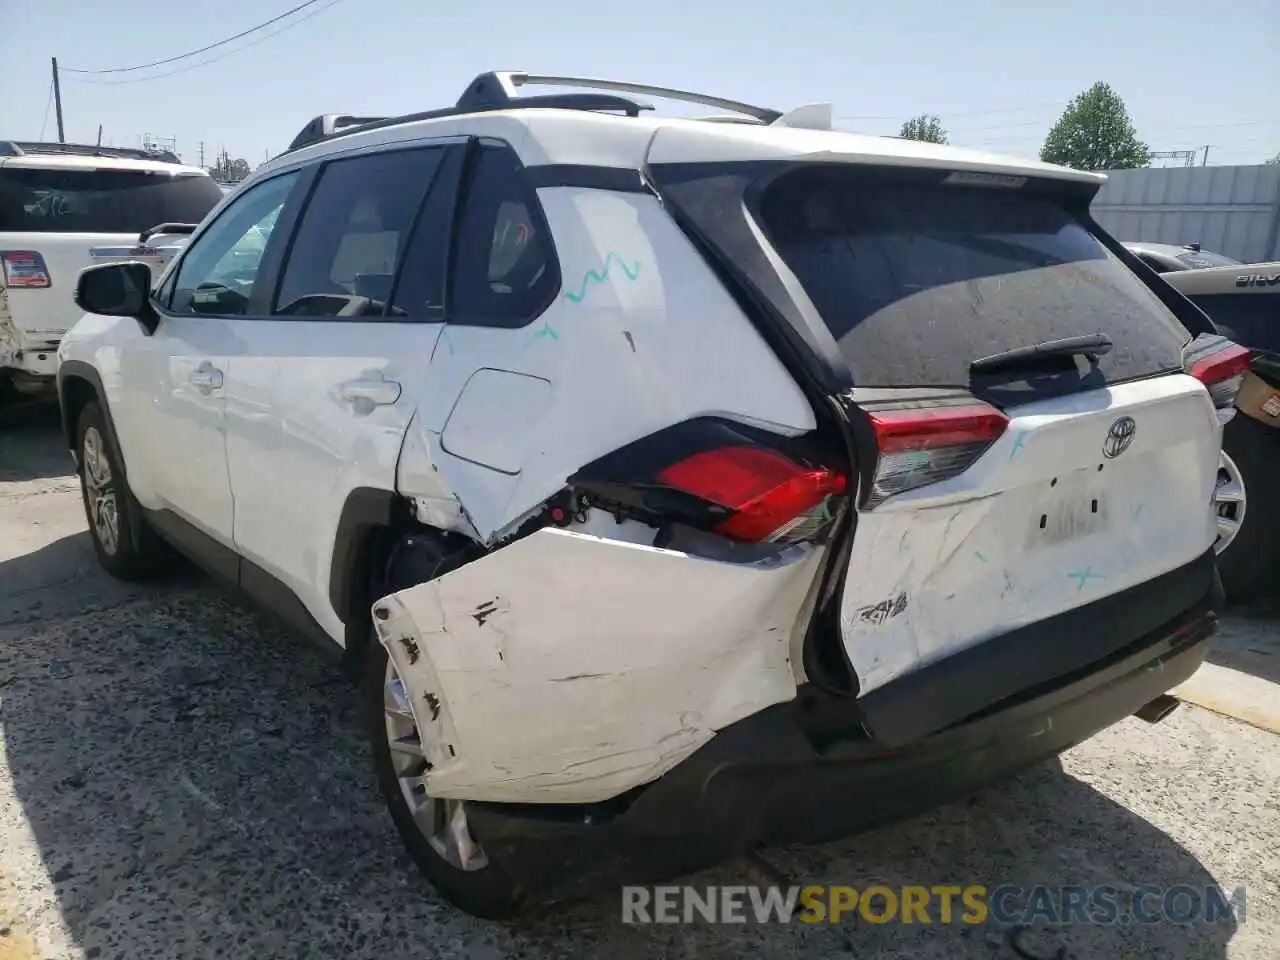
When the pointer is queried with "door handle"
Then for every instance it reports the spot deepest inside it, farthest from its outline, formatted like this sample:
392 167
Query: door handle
370 393
206 378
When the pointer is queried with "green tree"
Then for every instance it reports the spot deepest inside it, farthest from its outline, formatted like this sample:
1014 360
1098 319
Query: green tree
229 169
924 127
1095 133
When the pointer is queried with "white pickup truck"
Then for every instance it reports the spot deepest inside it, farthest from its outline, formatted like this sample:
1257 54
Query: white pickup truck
64 207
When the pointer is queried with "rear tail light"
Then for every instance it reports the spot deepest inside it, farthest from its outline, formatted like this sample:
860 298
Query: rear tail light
24 268
1219 364
762 495
923 445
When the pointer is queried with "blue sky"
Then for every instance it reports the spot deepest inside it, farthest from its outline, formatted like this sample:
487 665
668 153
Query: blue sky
1192 72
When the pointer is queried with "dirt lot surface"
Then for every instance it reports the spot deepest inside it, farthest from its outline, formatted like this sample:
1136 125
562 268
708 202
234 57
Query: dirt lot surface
178 778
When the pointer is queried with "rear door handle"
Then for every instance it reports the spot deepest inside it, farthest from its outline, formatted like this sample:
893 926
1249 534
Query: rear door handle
206 378
370 393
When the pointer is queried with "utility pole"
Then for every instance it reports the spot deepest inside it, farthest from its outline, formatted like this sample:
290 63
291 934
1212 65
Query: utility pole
57 101
1204 162
99 134
202 154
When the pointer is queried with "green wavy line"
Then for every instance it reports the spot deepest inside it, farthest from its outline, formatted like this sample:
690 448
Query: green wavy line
631 271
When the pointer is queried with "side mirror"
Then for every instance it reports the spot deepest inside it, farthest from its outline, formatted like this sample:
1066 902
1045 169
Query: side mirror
118 290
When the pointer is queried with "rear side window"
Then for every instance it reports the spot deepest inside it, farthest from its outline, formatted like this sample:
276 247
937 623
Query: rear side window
34 200
917 279
505 271
344 256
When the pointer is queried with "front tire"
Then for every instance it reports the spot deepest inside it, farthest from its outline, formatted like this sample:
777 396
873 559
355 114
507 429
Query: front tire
125 546
1248 517
434 831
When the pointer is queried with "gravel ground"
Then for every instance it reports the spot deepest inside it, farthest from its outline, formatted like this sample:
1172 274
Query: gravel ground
178 778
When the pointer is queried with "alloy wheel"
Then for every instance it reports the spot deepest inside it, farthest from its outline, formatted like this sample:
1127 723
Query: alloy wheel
1229 502
442 822
100 492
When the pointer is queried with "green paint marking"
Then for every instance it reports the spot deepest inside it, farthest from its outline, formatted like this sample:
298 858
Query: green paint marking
591 276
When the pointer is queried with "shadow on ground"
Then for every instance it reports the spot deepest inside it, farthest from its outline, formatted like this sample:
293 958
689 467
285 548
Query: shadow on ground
1249 641
196 784
31 444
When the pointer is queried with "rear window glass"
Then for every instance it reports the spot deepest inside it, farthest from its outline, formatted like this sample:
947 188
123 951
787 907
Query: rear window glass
100 201
915 280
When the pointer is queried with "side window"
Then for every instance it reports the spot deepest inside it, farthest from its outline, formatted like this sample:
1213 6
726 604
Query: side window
420 285
351 236
505 271
217 273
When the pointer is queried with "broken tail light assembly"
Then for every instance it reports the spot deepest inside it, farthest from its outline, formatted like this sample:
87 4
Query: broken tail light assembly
1220 364
921 445
24 269
717 476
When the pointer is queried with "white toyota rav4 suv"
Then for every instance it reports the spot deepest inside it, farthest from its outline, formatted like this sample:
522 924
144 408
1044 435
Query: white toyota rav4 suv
676 485
64 207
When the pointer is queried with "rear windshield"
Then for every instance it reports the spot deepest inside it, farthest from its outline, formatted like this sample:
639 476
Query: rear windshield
917 279
100 201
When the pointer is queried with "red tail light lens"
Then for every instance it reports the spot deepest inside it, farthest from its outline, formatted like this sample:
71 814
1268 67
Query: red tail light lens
768 496
24 269
924 445
1218 363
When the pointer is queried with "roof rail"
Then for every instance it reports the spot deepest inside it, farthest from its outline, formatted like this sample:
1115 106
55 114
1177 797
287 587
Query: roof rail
497 90
501 86
177 229
22 148
318 130
326 125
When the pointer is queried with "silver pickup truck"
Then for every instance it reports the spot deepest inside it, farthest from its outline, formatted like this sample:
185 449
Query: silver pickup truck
1243 301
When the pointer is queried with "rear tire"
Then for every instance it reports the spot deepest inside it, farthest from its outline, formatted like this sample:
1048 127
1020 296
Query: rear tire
1248 565
126 547
483 889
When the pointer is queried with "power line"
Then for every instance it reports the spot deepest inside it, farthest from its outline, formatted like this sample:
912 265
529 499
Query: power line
222 56
192 53
47 104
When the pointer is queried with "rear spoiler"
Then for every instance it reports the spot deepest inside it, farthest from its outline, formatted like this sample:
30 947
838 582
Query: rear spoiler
159 228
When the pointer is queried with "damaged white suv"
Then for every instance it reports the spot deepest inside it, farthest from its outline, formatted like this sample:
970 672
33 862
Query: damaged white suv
677 486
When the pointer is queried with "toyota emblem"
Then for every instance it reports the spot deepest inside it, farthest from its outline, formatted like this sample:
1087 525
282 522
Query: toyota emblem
1119 437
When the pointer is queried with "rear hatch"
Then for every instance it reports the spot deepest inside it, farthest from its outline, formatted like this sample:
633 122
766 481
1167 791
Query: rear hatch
991 496
58 216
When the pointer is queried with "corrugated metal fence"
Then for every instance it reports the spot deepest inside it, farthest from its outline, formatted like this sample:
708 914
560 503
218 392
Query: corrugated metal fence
1229 210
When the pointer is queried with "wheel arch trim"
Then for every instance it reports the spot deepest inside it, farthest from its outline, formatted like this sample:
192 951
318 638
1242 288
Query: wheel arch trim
69 371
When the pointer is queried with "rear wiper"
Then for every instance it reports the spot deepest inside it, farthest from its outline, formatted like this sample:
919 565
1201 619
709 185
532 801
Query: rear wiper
1091 346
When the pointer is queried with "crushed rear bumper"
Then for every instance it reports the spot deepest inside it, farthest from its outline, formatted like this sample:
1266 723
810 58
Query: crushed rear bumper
768 779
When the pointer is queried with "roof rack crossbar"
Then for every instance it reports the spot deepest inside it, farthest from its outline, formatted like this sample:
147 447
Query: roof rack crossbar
21 148
333 125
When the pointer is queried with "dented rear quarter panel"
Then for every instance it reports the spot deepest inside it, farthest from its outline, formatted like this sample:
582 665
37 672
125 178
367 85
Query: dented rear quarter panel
569 668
